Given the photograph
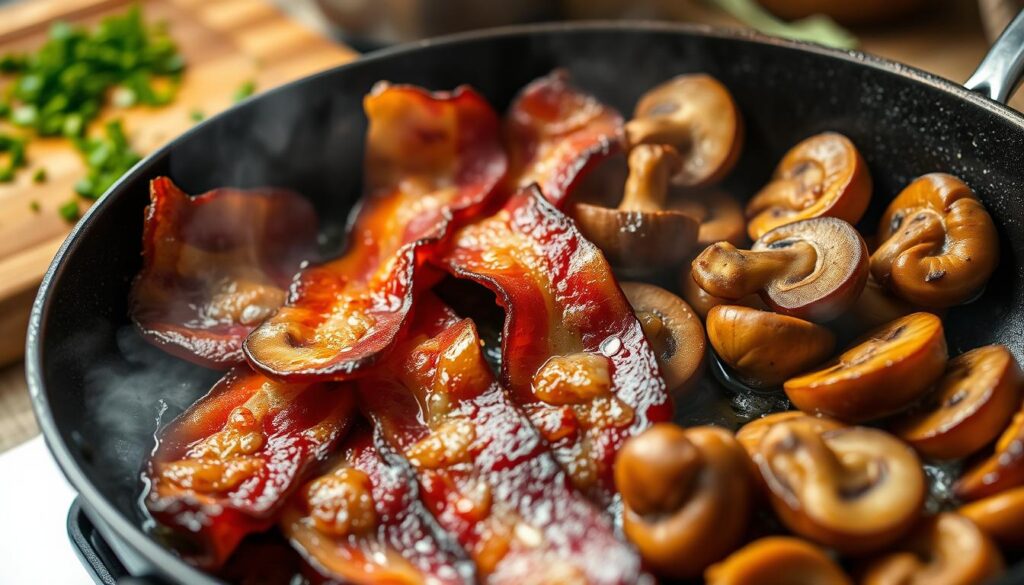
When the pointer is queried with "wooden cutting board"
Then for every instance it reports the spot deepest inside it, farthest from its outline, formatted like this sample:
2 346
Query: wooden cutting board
225 43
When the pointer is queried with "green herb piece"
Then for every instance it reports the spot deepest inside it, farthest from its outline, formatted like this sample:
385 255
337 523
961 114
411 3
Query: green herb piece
60 88
39 176
34 206
197 115
107 158
246 89
69 211
13 148
816 29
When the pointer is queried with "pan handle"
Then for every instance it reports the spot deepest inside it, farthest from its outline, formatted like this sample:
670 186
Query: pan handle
1002 69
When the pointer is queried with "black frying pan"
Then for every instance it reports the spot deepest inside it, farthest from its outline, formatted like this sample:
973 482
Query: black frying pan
98 391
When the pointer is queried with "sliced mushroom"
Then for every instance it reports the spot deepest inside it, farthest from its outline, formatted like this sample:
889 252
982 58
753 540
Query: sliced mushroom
640 236
875 306
1000 516
938 244
780 560
971 405
764 348
686 496
702 302
824 175
750 434
881 374
947 549
673 329
813 269
696 115
719 214
856 489
1002 470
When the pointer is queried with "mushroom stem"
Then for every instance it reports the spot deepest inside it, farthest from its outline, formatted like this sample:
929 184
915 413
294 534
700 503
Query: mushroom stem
736 273
657 130
651 166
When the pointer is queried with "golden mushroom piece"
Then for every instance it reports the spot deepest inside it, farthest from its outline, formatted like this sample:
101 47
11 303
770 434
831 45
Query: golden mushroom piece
947 549
719 214
702 302
673 329
855 489
822 176
1002 470
812 269
971 405
881 374
1000 516
750 434
875 306
764 348
686 496
779 560
696 115
938 245
640 235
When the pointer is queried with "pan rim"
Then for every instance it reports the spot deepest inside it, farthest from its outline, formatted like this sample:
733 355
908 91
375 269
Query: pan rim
163 559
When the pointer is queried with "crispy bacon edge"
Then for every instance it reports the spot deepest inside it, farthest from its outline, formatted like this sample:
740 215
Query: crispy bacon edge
161 308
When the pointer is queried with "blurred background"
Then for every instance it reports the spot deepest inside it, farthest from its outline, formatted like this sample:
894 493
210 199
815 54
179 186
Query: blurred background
57 154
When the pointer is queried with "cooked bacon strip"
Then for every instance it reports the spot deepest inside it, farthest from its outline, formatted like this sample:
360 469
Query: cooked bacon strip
484 471
224 467
433 161
574 356
215 265
361 523
555 133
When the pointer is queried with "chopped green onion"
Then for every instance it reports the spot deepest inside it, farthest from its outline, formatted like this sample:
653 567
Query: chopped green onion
14 147
39 176
106 158
34 206
69 211
246 89
197 115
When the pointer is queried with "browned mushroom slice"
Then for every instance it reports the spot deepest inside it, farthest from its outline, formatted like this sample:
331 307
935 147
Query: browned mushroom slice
702 302
1000 516
750 434
764 348
812 269
719 214
875 306
780 560
641 236
947 549
686 496
881 374
697 115
1002 470
673 330
971 405
822 176
856 489
938 244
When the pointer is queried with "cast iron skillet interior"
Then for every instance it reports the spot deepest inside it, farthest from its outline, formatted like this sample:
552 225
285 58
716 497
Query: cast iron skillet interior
99 391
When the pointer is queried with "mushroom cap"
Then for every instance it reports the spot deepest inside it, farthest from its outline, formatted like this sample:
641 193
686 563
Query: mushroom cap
765 348
939 245
947 548
1002 470
696 114
686 496
839 275
1001 516
970 405
638 242
782 560
856 489
823 175
673 329
880 374
719 214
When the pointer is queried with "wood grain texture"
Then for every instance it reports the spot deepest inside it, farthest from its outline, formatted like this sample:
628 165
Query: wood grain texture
225 43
